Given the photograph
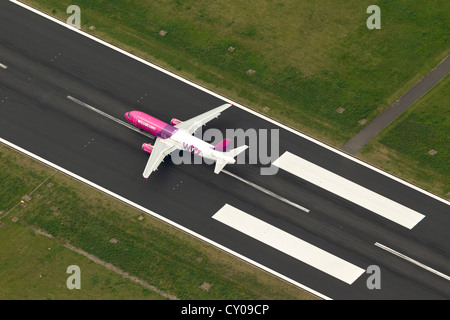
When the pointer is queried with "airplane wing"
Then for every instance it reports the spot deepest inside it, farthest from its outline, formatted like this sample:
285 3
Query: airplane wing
194 123
159 152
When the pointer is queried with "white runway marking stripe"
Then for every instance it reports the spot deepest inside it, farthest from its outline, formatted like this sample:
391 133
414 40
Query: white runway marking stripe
3 66
287 243
270 193
398 254
349 190
129 126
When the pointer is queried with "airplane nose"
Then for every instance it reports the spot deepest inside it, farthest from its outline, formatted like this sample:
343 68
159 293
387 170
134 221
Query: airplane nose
127 116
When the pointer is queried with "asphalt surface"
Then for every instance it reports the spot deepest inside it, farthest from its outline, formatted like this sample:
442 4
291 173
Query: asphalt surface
47 62
360 139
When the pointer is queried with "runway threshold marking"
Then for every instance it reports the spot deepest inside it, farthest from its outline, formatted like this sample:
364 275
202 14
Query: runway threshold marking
288 244
398 254
104 114
268 192
349 190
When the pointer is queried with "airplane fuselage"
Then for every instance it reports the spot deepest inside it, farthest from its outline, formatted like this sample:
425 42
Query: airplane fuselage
173 136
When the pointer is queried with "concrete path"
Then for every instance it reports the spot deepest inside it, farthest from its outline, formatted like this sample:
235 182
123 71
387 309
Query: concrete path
390 114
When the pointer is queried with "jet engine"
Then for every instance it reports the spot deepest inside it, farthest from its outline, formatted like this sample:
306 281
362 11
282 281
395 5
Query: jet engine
147 147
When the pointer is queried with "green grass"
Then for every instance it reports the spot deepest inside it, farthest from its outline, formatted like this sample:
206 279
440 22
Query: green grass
11 184
170 260
404 145
33 266
310 57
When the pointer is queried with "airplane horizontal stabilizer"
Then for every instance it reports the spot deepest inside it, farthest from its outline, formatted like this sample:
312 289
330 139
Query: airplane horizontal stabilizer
220 164
233 153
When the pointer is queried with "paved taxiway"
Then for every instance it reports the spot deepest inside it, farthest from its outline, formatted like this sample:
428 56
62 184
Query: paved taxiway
46 62
358 141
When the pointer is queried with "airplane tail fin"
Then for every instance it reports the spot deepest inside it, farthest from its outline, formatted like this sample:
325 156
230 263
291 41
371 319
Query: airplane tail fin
223 145
220 164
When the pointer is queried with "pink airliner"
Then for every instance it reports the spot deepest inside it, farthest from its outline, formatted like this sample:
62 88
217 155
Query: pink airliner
178 135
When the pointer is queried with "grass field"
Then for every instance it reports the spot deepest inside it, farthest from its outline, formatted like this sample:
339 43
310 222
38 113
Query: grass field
71 212
403 147
33 266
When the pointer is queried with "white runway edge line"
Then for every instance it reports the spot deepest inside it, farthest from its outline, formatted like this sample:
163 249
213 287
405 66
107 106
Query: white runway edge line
349 190
322 144
287 243
164 219
398 254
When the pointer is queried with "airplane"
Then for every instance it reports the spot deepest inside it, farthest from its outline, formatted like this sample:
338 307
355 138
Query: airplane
178 135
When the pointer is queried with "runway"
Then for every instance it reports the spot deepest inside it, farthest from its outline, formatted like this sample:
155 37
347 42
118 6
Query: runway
327 249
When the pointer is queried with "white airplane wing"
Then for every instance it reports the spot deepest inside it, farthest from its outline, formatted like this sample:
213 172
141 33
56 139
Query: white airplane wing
194 123
159 152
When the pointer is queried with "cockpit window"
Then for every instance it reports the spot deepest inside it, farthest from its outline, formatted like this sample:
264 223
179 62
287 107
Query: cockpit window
128 115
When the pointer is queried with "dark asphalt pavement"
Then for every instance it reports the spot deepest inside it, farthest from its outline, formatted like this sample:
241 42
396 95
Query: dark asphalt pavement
47 62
